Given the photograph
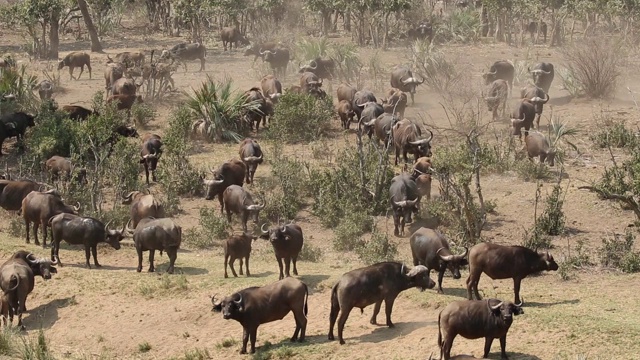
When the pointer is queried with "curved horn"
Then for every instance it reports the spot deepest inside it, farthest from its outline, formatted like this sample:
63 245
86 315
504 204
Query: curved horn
213 300
411 202
265 232
239 301
546 99
464 254
251 158
106 226
31 257
495 307
262 52
313 62
54 262
130 230
417 270
444 257
77 208
419 142
400 203
148 191
430 135
211 170
127 195
520 304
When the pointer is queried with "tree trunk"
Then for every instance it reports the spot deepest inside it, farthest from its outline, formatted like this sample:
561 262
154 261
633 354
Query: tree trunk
93 34
43 46
54 39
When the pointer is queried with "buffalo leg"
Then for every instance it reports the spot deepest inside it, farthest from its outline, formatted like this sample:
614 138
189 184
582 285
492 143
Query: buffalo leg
280 266
44 223
388 307
344 315
152 253
396 221
139 250
333 315
226 263
87 254
94 252
253 334
26 223
295 268
233 270
71 73
487 346
443 267
446 348
81 71
516 289
36 226
287 266
247 265
173 255
301 324
376 310
503 347
241 264
245 339
221 203
397 155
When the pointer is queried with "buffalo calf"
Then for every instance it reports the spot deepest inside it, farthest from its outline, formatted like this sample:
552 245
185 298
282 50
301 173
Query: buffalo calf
237 247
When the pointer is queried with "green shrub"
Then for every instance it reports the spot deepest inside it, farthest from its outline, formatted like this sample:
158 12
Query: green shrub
350 230
286 190
536 239
530 171
144 347
613 134
618 252
142 114
310 253
552 220
300 118
461 27
213 225
377 249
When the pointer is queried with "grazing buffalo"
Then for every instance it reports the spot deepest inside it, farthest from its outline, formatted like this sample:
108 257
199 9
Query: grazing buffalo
423 31
142 206
537 97
407 139
346 113
87 231
45 89
150 154
522 117
76 59
237 247
501 69
379 126
532 29
505 262
271 88
157 234
13 192
287 242
251 154
239 201
184 51
231 172
431 249
57 165
130 58
537 145
395 102
543 74
77 113
360 100
402 78
322 68
497 97
17 280
231 36
259 50
474 319
39 207
372 285
346 92
404 198
254 306
278 59
16 124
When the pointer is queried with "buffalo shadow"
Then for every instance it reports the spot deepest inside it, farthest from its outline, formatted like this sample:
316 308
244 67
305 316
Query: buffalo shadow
93 267
161 267
429 223
45 315
312 281
267 347
381 332
512 355
534 304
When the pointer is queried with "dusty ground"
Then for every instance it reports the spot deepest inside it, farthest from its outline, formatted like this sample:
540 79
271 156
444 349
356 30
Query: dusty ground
108 313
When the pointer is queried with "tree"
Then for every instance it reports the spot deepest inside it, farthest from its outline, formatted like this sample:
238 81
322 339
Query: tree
95 41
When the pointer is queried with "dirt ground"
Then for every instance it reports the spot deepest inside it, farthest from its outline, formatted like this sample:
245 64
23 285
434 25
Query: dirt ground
110 312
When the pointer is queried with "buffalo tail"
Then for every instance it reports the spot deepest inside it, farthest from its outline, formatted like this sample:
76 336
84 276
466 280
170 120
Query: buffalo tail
306 299
440 337
17 280
335 304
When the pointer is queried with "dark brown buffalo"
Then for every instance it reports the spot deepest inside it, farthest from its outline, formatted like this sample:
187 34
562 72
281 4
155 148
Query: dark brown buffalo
379 126
258 50
532 29
45 89
184 51
124 102
543 74
474 319
372 285
407 139
522 117
76 59
254 306
360 100
295 89
404 199
505 262
395 102
57 165
231 36
77 113
16 124
142 206
271 88
252 156
17 280
346 113
402 78
502 69
287 242
346 92
537 97
156 234
239 201
309 81
497 97
431 249
39 207
278 59
150 154
13 192
423 31
87 231
322 68
258 115
231 172
237 247
537 145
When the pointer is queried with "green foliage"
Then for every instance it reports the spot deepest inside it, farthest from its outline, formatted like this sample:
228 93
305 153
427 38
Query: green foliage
577 260
300 118
618 252
226 343
197 354
350 230
19 83
142 114
223 110
310 253
308 49
213 229
348 63
530 171
460 27
570 83
144 347
595 66
438 72
536 239
53 135
37 349
613 134
377 249
287 189
552 220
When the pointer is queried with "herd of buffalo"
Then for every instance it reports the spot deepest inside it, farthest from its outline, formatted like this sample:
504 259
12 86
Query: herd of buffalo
382 120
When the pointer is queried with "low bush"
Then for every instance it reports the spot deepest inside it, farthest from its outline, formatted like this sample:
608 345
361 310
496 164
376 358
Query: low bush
348 234
613 134
142 114
310 253
552 220
617 252
377 249
300 118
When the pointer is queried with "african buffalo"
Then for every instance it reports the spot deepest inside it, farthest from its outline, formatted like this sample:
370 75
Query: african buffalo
287 242
423 31
537 97
258 50
113 72
431 249
379 126
57 165
271 88
184 51
346 92
12 192
532 29
254 96
39 207
497 97
395 102
505 262
360 100
402 78
251 154
45 89
309 81
237 247
87 231
156 234
278 59
346 113
231 172
142 206
239 201
254 306
522 117
124 86
16 124
407 139
543 74
474 319
76 59
230 35
78 113
502 69
131 58
537 145
372 285
322 68
404 197
150 154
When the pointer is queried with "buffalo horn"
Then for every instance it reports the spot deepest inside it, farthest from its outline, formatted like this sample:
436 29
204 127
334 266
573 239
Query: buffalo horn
400 203
106 226
126 196
419 142
407 81
31 257
313 62
430 135
444 257
77 207
211 170
402 269
239 301
251 158
262 52
466 251
494 307
127 228
520 304
417 270
411 202
265 232
284 229
213 299
54 262
148 191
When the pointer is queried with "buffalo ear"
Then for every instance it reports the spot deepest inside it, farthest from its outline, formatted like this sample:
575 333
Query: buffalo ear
141 161
264 236
217 308
464 262
53 270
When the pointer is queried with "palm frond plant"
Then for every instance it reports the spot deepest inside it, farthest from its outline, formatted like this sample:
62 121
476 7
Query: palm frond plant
309 49
19 84
223 109
347 61
559 133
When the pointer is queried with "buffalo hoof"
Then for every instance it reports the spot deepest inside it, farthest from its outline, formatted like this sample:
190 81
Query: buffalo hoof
152 270
139 269
98 265
373 322
226 276
341 342
170 271
87 266
439 291
242 352
293 339
391 325
330 337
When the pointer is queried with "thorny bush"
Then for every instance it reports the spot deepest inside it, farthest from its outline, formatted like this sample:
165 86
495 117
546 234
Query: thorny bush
300 118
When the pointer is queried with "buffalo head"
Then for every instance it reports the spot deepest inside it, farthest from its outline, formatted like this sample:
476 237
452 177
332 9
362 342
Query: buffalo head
113 237
551 263
538 75
517 125
403 210
231 306
505 309
151 160
43 267
213 187
254 210
411 84
128 198
454 262
423 146
419 277
274 234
